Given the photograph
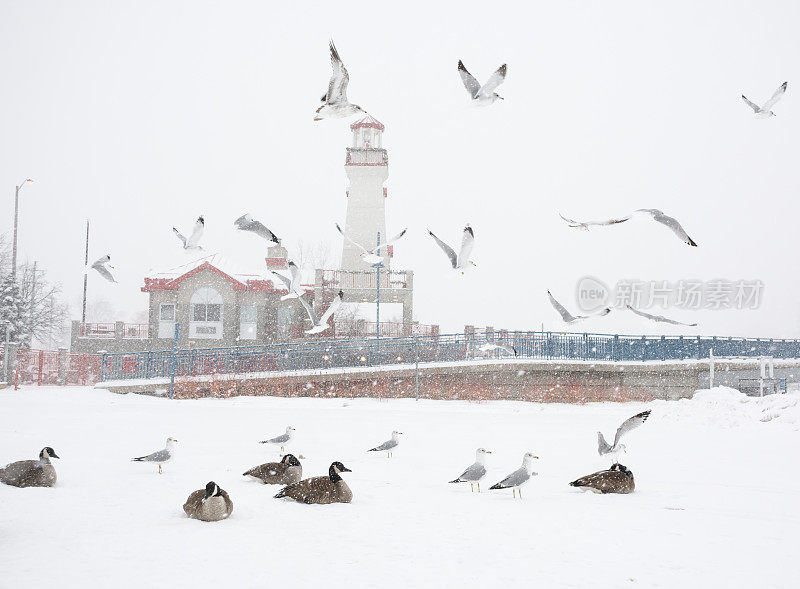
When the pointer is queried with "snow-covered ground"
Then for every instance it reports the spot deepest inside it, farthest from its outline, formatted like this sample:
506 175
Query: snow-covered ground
716 501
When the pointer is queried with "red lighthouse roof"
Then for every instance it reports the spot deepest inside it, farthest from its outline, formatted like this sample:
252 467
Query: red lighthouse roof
367 121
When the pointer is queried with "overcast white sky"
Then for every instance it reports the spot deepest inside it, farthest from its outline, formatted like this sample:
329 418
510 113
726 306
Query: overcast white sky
141 115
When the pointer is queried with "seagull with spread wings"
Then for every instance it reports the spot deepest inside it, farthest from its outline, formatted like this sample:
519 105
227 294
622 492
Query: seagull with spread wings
568 317
371 256
460 261
101 266
654 214
247 223
192 243
615 449
334 101
292 283
482 95
765 111
491 346
321 324
659 318
584 225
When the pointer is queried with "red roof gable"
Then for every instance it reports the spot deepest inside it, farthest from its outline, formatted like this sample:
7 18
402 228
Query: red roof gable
151 284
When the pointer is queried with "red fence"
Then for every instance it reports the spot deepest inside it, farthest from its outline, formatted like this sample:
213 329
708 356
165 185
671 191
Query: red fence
43 367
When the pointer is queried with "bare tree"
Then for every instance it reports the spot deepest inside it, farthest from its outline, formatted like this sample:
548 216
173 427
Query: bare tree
312 256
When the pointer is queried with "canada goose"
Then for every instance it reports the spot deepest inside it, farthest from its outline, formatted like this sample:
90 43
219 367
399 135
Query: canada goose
161 456
287 471
282 439
31 473
519 477
476 471
320 490
617 479
209 505
616 448
389 445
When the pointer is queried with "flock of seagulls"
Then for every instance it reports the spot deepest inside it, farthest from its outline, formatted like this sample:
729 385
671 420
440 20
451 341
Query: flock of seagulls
213 503
335 104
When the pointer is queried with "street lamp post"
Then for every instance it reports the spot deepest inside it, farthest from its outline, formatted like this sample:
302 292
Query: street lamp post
16 221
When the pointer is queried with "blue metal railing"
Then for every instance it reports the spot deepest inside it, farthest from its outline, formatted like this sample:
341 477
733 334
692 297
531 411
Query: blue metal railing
534 345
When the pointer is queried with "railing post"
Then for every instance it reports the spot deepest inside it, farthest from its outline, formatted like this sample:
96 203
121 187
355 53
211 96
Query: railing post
63 360
174 352
41 366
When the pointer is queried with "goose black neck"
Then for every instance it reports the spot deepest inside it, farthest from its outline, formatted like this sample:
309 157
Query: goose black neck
333 474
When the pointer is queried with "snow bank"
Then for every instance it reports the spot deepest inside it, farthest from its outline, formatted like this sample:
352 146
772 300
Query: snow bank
724 406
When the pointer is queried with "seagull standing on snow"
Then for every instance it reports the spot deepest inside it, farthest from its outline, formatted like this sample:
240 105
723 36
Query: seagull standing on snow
321 324
371 256
461 261
659 318
161 456
194 238
292 284
389 445
482 95
476 471
282 439
568 317
519 477
335 104
765 112
615 449
654 214
102 265
247 223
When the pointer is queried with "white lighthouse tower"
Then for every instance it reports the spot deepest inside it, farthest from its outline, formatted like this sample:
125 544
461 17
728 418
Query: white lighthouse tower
367 168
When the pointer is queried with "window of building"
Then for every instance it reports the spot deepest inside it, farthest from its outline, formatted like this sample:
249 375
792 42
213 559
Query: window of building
248 322
167 312
206 314
166 320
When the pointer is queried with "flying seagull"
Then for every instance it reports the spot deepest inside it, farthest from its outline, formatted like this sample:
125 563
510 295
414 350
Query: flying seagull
476 471
568 317
507 348
461 261
247 223
585 224
335 104
765 112
482 95
161 456
321 324
659 318
194 238
292 283
102 265
671 222
282 439
371 256
616 448
389 445
654 214
519 477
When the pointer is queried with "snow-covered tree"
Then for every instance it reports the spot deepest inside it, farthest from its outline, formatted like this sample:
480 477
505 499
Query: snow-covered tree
13 309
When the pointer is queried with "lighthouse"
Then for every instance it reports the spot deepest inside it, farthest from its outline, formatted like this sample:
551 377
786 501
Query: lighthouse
367 168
